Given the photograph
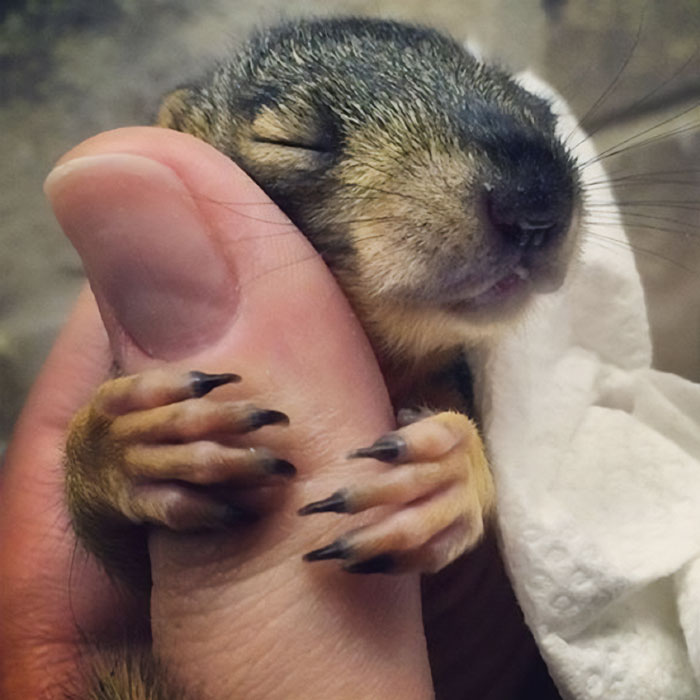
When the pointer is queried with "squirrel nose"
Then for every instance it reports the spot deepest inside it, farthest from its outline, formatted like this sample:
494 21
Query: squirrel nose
524 218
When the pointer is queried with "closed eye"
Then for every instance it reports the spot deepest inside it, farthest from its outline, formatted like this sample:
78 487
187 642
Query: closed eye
314 147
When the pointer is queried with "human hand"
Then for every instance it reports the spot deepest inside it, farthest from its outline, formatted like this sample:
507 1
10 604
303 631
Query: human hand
192 265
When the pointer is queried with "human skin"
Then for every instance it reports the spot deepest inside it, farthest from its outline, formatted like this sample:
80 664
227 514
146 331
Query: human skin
192 267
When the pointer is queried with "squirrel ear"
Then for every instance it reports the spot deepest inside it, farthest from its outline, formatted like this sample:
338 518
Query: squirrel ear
180 111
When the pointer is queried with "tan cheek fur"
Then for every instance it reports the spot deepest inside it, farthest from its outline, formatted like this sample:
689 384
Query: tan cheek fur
403 213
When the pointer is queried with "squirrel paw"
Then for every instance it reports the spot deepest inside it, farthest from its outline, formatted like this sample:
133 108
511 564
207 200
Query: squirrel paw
439 494
148 446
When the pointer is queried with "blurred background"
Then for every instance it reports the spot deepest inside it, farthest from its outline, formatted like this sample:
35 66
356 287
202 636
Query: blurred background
72 68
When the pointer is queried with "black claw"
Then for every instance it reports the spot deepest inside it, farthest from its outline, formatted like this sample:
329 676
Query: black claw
259 418
202 383
280 466
389 448
336 550
335 503
381 564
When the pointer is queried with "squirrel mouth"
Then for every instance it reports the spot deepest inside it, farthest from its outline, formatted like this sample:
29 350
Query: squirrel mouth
505 289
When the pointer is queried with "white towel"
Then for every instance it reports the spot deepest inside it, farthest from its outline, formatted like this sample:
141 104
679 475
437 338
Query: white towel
597 463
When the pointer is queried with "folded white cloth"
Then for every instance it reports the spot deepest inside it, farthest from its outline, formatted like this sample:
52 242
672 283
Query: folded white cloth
597 463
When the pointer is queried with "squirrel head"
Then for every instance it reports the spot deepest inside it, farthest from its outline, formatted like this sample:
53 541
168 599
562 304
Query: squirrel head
434 186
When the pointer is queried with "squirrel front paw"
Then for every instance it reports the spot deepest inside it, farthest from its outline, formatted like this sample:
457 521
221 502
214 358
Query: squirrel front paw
439 493
149 449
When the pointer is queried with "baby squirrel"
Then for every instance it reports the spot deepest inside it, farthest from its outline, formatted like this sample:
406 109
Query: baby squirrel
438 193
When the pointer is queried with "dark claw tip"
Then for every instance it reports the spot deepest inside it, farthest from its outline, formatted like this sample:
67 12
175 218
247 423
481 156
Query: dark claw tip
202 383
280 466
336 503
261 417
389 448
335 550
381 564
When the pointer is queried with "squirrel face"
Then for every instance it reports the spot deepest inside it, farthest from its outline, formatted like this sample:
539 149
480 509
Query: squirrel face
434 186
